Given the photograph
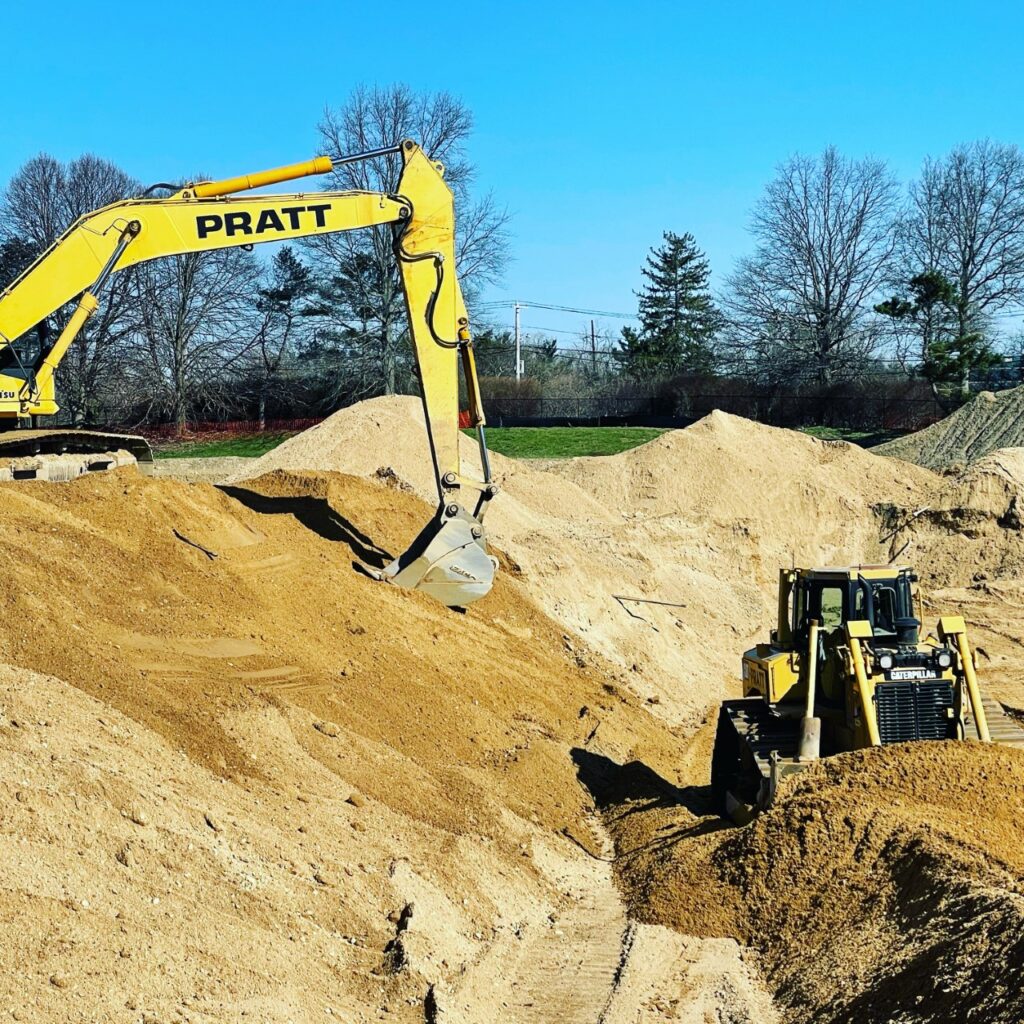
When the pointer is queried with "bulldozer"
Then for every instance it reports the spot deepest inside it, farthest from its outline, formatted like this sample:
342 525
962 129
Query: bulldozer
449 558
846 668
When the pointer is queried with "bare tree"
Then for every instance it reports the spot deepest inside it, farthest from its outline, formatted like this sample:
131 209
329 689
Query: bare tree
33 202
597 347
196 326
824 231
16 256
965 221
43 199
363 262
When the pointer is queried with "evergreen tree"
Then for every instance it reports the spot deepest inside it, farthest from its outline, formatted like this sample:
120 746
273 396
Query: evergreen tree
927 310
287 296
678 318
949 364
949 353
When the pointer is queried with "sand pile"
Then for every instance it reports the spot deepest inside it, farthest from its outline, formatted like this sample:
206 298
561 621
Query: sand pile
242 760
985 424
968 526
701 519
231 762
884 885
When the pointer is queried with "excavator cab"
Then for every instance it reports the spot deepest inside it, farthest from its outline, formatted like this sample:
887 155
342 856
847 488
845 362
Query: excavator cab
20 359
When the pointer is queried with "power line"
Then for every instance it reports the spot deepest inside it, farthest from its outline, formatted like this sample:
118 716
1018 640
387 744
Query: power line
549 330
1002 315
561 309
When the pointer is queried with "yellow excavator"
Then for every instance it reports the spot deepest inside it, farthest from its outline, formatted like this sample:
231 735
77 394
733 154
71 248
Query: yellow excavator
449 558
844 669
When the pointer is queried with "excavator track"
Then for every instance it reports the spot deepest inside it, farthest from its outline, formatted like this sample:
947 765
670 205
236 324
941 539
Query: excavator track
62 455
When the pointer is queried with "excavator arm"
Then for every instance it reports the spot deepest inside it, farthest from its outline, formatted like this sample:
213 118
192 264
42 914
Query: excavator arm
449 559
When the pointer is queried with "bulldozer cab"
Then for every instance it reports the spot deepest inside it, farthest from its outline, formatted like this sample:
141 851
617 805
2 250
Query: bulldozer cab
880 595
834 597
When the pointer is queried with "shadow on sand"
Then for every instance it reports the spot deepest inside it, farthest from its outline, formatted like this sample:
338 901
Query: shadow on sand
316 515
622 790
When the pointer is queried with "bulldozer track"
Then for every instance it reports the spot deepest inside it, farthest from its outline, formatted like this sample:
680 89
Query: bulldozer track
573 981
591 964
1002 728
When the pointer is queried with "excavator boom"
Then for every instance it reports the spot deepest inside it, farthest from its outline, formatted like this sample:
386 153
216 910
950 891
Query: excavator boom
449 559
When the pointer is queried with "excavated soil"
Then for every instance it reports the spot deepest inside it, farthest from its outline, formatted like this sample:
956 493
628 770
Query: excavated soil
884 885
988 422
702 520
232 764
245 781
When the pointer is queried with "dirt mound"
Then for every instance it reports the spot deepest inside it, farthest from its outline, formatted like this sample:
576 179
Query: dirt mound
968 528
699 519
762 496
243 758
295 787
665 558
883 885
988 422
382 432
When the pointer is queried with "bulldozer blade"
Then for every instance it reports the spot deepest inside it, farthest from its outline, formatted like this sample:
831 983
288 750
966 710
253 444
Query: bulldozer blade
448 560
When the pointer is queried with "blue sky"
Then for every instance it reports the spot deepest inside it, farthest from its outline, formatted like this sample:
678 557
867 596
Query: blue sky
599 125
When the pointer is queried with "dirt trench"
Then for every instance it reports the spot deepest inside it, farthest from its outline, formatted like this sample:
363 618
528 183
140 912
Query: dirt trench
595 963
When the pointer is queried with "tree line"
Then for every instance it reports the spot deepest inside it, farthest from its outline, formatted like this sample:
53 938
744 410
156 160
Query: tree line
850 275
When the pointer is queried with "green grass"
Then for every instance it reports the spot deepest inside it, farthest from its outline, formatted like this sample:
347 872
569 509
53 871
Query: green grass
566 442
864 438
247 446
515 442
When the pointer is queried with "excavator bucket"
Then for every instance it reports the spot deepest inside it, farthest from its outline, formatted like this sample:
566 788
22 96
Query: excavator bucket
448 560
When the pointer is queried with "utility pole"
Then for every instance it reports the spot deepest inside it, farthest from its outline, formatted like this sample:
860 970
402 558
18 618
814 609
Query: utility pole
519 361
593 348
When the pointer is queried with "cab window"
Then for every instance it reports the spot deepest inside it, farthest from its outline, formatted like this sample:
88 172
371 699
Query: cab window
886 611
831 607
20 356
